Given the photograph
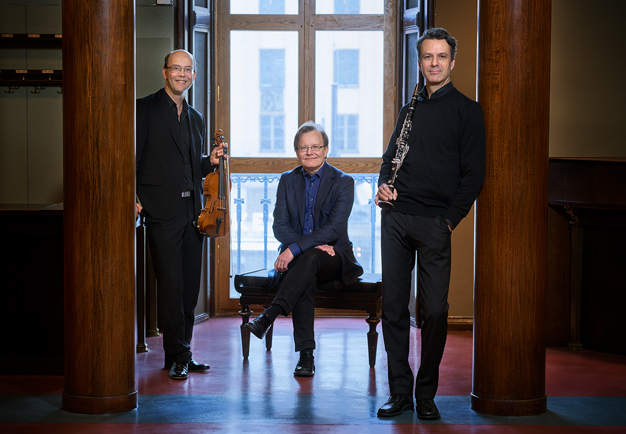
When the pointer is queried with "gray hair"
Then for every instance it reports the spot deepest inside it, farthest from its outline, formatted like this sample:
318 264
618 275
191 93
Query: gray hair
307 127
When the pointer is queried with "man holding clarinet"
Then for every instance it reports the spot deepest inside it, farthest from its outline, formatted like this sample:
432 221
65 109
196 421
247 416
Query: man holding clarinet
432 172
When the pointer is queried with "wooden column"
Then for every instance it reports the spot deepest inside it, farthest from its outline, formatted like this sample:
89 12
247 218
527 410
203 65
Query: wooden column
99 191
511 228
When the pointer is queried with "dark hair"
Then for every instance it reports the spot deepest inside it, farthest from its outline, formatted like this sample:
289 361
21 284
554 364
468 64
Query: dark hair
167 58
307 127
437 33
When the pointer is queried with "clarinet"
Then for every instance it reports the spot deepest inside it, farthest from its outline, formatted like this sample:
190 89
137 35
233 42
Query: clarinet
402 147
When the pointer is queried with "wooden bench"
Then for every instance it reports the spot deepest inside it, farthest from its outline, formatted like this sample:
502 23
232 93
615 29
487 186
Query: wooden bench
364 295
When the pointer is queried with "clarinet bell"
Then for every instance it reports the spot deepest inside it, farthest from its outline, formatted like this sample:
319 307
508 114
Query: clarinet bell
385 205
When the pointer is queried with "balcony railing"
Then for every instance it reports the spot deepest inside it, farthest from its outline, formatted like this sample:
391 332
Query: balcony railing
253 245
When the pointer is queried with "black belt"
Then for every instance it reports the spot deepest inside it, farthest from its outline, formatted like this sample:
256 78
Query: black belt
185 194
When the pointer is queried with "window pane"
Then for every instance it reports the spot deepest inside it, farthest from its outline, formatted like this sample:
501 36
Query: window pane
412 4
264 93
253 245
346 67
264 7
199 89
412 66
349 91
349 6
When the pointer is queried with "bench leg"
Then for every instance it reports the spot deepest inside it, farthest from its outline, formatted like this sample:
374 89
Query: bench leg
245 314
269 335
372 337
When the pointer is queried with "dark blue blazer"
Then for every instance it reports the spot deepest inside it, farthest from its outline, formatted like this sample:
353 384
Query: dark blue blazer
333 205
159 176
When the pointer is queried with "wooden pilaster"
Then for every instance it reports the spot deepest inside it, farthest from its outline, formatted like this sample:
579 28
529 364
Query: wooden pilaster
511 212
99 191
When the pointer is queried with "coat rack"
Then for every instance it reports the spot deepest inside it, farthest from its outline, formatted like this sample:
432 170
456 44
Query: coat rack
37 78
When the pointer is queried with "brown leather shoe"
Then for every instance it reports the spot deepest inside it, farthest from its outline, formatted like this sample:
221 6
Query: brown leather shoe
179 371
396 405
427 410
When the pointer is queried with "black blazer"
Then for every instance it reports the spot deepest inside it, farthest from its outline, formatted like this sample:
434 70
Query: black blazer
333 205
159 178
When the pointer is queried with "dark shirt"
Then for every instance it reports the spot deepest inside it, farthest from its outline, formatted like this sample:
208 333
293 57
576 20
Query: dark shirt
183 137
436 94
312 186
444 169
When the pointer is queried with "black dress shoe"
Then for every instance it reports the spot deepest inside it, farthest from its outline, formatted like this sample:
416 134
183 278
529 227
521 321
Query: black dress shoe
305 366
259 326
179 371
396 405
194 366
427 410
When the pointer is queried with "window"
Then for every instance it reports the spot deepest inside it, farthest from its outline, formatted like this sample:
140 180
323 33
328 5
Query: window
272 83
347 6
346 68
263 7
270 7
345 134
331 61
272 132
263 92
417 14
349 90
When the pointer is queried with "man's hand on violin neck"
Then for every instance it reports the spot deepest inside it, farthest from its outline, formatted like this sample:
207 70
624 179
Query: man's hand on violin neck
217 152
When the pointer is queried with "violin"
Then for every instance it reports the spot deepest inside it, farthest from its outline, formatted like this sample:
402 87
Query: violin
214 219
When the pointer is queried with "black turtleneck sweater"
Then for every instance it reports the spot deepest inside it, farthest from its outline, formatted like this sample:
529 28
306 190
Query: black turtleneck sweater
444 170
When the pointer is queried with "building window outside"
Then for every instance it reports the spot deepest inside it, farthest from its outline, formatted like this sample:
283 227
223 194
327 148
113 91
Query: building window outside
272 7
272 132
346 68
345 135
271 114
347 6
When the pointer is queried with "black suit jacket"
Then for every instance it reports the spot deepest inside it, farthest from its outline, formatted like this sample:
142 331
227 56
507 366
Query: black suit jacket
333 205
158 153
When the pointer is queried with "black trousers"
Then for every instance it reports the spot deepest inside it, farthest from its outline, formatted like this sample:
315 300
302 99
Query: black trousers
176 249
297 292
402 236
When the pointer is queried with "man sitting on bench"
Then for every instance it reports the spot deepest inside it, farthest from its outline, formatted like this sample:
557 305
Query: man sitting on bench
313 203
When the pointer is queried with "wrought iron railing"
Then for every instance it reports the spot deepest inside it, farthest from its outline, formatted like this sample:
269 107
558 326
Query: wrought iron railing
253 245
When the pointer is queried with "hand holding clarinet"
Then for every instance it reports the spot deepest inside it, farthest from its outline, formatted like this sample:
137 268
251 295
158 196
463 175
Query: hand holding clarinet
386 193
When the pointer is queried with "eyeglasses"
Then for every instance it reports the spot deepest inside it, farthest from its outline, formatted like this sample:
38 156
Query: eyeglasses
314 148
177 69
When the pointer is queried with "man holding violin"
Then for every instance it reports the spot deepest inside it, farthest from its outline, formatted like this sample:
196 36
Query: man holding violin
170 167
313 203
